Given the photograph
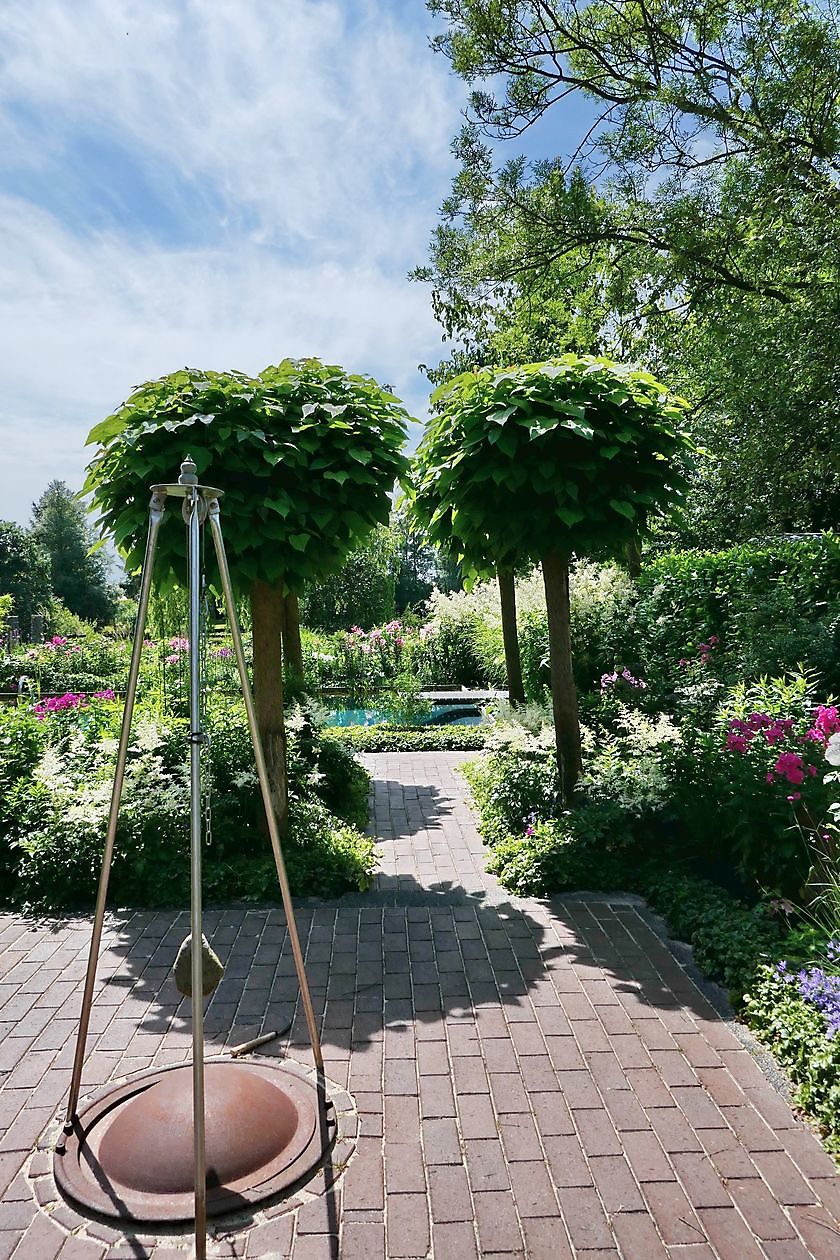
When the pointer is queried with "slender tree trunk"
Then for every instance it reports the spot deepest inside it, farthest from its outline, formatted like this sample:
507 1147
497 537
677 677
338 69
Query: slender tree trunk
563 695
292 649
633 552
267 606
513 661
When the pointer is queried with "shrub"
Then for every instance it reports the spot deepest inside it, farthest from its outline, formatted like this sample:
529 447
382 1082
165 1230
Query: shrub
513 786
769 605
584 849
385 738
54 811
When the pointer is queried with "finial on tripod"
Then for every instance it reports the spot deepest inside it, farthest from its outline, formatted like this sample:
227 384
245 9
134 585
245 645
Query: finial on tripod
189 472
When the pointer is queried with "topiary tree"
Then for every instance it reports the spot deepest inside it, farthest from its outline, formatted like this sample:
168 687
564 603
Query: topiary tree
542 461
307 456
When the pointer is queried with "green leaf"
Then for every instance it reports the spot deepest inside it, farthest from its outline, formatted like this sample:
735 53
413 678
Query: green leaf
624 509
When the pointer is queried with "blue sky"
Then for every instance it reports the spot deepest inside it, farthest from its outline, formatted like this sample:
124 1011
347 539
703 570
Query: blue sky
217 183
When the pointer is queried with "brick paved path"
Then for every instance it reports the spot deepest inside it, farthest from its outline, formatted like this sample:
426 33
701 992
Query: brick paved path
527 1079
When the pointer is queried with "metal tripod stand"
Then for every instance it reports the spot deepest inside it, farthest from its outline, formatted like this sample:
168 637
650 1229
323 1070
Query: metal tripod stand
200 504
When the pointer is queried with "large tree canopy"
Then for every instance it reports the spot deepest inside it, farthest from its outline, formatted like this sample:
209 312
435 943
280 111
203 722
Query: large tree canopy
24 573
692 223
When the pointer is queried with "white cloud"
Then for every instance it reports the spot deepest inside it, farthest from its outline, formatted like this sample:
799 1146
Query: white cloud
309 138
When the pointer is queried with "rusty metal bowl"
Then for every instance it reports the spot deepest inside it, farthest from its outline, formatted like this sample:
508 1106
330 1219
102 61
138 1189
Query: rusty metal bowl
130 1153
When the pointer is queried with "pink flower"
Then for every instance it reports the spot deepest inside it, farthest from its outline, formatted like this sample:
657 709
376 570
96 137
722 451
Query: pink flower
759 721
795 796
827 721
179 645
713 640
791 767
57 641
770 777
173 659
737 743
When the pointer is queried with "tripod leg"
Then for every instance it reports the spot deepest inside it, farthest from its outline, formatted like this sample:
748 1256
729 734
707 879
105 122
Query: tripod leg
156 510
262 775
197 979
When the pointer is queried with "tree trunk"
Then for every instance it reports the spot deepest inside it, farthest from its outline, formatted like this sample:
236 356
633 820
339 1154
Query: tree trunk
292 648
633 552
513 662
267 607
563 695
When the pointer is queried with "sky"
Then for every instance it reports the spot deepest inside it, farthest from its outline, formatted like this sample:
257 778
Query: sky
208 183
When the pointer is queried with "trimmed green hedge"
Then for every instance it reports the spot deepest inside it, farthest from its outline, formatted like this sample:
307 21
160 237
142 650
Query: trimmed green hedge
375 739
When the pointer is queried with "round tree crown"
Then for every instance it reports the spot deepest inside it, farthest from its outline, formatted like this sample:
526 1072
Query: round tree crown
571 455
307 456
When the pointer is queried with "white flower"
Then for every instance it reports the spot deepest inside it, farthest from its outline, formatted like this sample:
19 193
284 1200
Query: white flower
832 751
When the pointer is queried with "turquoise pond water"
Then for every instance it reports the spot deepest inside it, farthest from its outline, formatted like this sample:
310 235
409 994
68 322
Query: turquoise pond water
449 715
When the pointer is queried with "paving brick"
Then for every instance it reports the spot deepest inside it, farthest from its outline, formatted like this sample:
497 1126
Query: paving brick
583 1214
407 1224
636 1235
497 1223
730 1237
546 1239
441 1144
404 1168
457 1240
673 1214
449 1194
616 1184
647 1157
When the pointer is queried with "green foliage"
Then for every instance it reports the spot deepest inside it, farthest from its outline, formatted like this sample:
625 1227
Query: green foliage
770 604
717 264
79 576
729 939
55 784
386 738
305 453
513 786
360 593
581 850
6 604
24 573
795 1032
571 455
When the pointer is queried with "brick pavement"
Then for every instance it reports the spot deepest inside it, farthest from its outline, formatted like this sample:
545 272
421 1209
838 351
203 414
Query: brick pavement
514 1078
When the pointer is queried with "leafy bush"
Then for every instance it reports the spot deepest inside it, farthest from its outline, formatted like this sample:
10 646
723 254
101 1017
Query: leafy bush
729 939
56 777
513 785
385 738
769 604
584 849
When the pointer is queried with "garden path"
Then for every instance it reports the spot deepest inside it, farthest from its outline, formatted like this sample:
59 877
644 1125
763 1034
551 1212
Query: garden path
526 1079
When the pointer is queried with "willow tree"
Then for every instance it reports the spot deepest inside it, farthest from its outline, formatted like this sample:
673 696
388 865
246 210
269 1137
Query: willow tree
307 456
542 462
